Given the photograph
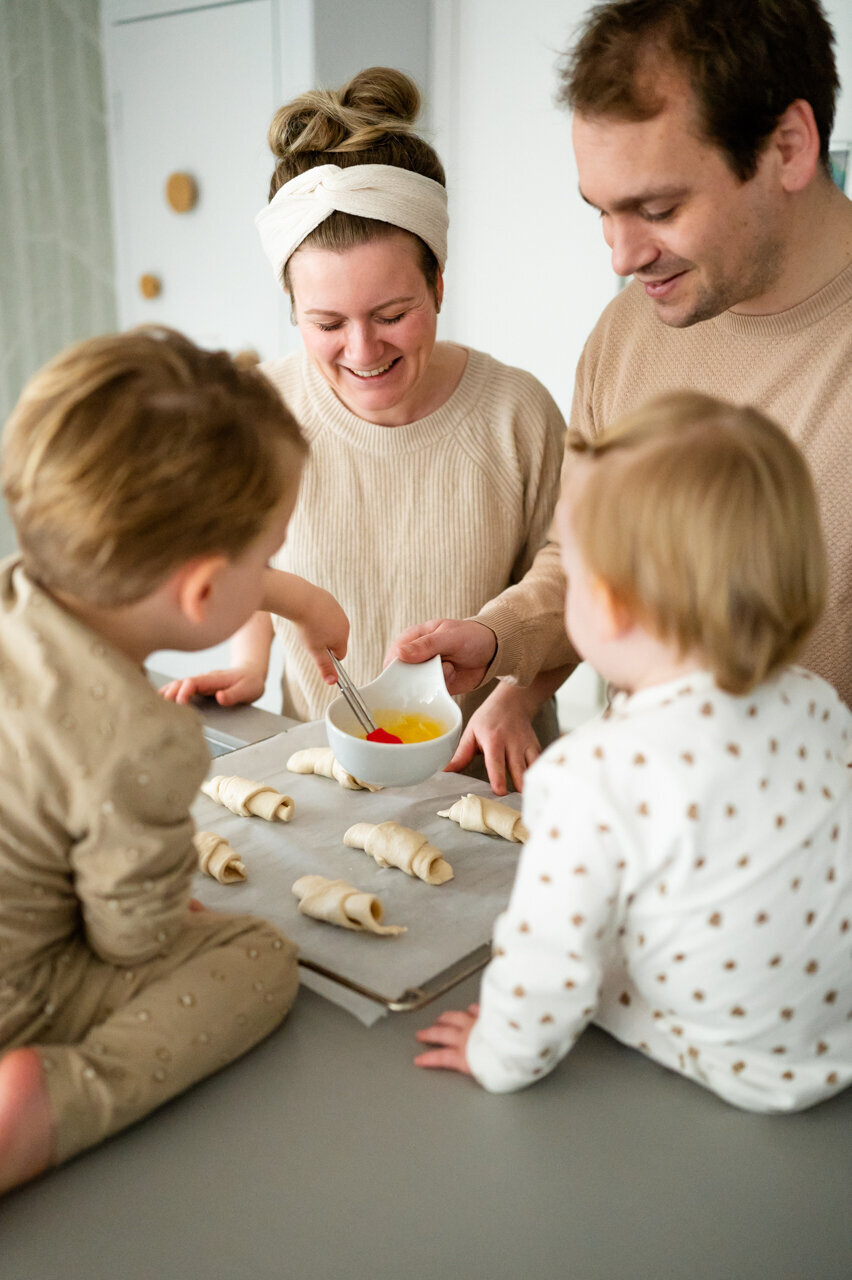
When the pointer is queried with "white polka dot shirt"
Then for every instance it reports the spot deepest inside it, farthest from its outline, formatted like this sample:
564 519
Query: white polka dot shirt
688 886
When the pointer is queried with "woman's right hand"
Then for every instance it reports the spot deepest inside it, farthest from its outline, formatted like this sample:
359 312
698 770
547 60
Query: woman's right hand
237 684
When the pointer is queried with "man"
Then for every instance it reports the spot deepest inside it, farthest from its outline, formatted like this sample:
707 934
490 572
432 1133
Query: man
701 131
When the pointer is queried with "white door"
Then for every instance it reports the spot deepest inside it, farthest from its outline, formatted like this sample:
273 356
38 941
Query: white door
193 92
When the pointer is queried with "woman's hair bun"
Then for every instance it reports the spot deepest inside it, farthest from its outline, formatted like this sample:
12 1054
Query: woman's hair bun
382 91
375 104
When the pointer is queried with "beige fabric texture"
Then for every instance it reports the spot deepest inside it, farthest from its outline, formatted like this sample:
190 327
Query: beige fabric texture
128 997
407 523
381 191
796 366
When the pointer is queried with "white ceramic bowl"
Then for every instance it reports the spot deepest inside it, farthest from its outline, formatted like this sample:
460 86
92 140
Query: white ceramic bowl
404 687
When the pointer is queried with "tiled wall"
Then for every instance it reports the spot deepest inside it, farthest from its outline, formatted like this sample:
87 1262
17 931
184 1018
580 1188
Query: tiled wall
56 260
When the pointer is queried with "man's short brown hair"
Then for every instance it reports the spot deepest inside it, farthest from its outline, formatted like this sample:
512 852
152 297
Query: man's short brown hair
745 60
131 454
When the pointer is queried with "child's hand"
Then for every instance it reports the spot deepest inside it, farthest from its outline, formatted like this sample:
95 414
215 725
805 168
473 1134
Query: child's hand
451 1030
237 684
324 627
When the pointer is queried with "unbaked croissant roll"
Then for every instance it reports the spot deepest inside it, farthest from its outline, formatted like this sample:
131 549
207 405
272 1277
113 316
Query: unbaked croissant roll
249 799
320 760
393 845
217 858
337 902
474 813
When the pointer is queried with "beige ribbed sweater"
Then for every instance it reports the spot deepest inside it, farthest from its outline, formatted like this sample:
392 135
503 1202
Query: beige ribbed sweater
420 521
796 366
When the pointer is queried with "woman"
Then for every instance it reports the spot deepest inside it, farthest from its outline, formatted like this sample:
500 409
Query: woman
433 469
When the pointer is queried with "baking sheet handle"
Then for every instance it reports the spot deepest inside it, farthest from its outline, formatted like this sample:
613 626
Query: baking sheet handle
414 997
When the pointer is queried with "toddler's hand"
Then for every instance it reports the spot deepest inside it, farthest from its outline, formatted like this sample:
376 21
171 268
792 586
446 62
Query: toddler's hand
237 684
451 1030
325 627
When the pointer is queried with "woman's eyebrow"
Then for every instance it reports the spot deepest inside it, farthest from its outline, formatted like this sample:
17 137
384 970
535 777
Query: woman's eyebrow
391 302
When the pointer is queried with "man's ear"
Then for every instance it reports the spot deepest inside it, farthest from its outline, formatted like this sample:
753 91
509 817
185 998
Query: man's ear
195 584
616 618
796 144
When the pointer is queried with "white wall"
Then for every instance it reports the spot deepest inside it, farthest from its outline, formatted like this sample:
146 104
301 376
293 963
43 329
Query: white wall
839 14
527 272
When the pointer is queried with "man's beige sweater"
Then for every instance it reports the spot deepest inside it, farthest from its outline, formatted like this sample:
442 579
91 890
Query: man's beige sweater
795 365
419 521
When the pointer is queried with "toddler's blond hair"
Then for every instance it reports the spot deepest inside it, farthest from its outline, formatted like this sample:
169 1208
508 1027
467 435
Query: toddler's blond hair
701 518
131 454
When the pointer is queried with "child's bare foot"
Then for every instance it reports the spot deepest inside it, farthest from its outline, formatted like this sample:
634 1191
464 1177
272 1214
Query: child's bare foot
26 1123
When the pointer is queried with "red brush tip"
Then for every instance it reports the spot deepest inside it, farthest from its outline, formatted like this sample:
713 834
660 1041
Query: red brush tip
382 735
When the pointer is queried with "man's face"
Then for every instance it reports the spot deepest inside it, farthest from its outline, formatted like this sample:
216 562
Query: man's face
675 215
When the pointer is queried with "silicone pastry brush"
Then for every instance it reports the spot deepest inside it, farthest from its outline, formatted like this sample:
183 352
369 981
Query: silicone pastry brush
359 707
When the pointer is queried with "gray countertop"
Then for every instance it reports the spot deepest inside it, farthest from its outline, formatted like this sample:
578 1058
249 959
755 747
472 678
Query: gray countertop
325 1153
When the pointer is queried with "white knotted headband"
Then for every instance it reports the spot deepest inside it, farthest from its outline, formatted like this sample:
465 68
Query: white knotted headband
381 191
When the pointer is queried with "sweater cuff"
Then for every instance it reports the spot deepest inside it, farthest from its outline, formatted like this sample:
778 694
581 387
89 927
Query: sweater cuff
487 1068
525 645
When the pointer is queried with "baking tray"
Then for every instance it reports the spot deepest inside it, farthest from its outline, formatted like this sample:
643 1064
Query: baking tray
449 926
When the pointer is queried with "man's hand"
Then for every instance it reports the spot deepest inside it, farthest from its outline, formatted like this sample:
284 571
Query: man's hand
467 649
451 1031
501 729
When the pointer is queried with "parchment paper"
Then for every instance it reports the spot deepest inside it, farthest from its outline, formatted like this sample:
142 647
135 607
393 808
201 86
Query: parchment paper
445 922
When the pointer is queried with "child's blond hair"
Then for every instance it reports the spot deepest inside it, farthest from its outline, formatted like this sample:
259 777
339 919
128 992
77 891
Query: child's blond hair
130 454
702 520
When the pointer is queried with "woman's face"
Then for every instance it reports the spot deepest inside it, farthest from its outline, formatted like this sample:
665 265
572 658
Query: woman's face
368 320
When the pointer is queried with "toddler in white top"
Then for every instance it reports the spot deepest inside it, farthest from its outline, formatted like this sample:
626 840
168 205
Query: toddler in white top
688 880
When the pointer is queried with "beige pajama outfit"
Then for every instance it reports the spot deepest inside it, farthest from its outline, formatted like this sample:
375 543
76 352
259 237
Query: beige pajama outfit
127 995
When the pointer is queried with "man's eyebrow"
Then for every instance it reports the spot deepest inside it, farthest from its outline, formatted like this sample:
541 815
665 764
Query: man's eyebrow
629 203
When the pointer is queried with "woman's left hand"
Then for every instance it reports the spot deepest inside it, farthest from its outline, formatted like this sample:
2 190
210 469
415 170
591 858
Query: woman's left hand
451 1031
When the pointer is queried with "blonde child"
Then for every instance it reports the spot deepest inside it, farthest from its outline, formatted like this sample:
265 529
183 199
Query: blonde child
149 483
688 880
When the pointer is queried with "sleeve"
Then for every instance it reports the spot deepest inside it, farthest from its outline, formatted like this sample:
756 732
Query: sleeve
528 618
541 444
542 986
528 621
134 859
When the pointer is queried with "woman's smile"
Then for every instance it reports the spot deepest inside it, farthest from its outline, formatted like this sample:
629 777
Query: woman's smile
368 319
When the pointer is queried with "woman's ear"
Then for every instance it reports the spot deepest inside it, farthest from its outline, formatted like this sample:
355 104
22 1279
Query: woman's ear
195 584
439 290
